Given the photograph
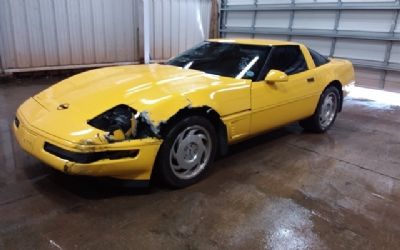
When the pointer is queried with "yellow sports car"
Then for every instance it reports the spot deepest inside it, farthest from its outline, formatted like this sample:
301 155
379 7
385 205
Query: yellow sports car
127 122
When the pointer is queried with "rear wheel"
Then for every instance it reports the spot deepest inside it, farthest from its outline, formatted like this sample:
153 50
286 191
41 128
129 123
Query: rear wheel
187 151
325 113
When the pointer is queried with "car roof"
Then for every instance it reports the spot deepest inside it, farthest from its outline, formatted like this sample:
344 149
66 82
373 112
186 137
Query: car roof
253 41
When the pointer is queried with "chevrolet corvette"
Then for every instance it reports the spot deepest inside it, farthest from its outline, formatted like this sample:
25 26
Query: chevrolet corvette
172 119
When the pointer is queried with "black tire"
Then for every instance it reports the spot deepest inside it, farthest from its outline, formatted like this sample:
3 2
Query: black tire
315 122
167 164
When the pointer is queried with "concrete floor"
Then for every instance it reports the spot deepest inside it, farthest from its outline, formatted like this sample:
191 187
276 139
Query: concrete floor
284 190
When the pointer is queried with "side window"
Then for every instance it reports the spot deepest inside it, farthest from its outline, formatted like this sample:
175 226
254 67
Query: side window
287 58
319 59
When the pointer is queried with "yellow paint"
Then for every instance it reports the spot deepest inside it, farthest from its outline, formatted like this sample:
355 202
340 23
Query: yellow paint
275 76
247 108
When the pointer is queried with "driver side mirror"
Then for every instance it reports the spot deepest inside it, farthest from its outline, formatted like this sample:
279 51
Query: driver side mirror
276 76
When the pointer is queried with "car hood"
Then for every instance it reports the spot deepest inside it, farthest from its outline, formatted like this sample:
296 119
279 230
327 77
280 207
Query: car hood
95 91
64 108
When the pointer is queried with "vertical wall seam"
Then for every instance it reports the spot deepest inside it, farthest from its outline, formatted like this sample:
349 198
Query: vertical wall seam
29 36
42 34
179 30
335 28
137 31
12 35
2 42
186 26
153 38
389 46
94 57
82 53
162 29
69 32
253 24
226 15
136 34
104 31
56 33
170 37
291 20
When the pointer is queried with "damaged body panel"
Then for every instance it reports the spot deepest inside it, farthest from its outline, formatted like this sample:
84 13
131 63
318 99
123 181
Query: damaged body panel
155 92
152 94
130 159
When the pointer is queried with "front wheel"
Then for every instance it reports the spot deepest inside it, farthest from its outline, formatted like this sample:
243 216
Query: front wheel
187 151
325 113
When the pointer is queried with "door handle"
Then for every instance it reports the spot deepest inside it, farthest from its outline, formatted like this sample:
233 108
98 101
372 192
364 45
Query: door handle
311 79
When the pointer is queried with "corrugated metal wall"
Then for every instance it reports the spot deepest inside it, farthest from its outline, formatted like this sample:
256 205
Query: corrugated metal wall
52 34
177 25
367 32
48 33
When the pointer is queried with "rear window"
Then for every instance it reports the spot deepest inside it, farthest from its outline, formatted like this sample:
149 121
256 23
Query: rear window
319 59
287 58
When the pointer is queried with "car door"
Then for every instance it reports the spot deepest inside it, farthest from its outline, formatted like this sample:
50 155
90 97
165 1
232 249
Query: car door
278 103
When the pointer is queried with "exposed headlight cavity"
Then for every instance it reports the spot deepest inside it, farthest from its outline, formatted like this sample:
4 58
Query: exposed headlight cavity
120 123
123 123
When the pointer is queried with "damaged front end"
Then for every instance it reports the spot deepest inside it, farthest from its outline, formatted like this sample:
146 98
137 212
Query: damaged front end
124 123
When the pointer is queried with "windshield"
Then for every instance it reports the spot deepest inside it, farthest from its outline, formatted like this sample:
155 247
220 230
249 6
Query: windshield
225 59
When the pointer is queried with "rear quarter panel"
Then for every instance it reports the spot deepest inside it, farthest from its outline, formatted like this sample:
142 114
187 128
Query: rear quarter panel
336 70
343 71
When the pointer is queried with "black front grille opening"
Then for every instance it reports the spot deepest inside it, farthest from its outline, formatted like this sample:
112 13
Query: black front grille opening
16 121
88 157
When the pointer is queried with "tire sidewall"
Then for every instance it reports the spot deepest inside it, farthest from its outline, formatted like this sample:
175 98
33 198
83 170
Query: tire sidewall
163 162
321 101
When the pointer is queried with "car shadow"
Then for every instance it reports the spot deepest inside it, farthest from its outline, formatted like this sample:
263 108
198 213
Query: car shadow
94 188
91 188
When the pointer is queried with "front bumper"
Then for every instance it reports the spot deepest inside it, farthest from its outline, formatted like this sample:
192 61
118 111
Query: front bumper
132 160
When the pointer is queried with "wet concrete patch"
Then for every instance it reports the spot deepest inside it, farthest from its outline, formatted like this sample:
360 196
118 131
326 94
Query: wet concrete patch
286 189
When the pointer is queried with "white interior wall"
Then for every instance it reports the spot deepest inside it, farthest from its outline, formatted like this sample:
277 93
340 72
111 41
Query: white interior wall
176 25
